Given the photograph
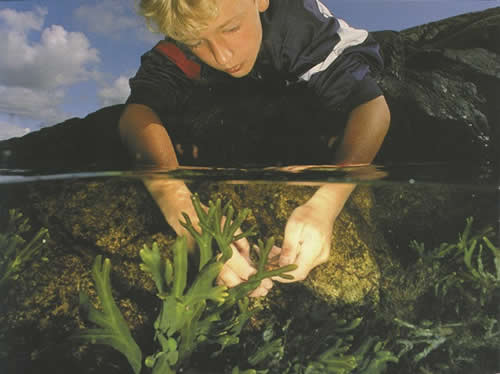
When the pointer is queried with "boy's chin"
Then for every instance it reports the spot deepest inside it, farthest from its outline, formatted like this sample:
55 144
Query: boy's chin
239 74
242 72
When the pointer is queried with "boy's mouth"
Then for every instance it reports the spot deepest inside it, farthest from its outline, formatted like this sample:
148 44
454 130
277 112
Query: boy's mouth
234 69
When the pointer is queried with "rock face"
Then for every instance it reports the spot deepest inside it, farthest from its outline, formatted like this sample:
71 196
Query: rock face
442 83
91 142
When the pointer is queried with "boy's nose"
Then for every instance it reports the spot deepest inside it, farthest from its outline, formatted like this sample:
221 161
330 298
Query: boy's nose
222 52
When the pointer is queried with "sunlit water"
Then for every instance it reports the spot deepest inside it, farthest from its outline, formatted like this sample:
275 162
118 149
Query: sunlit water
436 315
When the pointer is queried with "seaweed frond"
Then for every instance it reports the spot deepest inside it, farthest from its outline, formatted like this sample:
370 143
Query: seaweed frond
15 252
113 329
191 314
465 302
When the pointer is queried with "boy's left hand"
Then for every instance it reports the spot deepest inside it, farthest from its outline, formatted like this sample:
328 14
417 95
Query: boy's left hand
307 240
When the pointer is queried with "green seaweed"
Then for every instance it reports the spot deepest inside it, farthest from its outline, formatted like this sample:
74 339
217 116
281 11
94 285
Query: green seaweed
200 315
457 326
342 357
113 329
191 315
331 349
465 267
464 302
15 252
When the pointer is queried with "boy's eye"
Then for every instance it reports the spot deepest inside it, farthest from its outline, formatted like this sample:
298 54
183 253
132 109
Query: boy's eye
233 29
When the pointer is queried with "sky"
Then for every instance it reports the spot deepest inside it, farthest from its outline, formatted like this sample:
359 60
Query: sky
68 58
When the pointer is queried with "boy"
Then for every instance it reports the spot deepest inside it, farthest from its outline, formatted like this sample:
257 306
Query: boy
292 40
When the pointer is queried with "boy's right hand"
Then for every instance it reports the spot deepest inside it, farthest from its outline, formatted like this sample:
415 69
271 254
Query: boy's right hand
238 269
174 198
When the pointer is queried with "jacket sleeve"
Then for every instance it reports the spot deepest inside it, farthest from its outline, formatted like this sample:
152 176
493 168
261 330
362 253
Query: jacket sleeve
159 84
336 60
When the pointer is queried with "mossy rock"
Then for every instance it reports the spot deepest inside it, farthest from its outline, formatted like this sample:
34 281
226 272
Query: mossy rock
351 275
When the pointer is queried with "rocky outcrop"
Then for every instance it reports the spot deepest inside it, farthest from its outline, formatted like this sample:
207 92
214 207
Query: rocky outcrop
442 82
75 144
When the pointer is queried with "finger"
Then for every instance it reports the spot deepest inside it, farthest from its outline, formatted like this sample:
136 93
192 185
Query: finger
240 265
242 245
263 288
304 261
228 277
259 292
291 244
275 251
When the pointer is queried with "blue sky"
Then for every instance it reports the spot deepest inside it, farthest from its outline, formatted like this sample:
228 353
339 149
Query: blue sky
67 58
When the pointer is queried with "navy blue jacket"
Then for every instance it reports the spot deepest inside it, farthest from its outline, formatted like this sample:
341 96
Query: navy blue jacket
302 42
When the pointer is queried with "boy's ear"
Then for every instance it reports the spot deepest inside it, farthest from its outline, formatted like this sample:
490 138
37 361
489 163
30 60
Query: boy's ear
262 5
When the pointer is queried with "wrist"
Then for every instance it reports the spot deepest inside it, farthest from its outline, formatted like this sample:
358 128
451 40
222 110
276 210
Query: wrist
172 196
332 197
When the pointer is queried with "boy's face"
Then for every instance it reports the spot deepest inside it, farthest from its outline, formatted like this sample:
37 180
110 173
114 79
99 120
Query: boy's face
231 41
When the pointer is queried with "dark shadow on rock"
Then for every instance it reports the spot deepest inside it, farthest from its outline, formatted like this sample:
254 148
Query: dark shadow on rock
75 144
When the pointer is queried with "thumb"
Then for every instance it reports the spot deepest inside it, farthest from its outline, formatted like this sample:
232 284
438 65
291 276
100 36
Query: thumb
242 246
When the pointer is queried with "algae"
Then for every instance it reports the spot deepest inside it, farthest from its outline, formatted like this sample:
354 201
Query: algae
461 323
15 250
453 328
335 345
200 313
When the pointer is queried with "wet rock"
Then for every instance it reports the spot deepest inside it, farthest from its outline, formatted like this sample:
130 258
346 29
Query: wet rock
108 214
432 212
351 274
441 81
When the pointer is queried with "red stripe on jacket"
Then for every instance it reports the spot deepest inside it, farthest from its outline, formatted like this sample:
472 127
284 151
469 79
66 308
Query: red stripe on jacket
175 54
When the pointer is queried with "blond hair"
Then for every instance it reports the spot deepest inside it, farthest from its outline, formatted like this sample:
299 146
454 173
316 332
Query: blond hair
179 19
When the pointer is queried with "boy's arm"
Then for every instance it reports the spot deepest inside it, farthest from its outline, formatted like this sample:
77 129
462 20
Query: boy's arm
148 141
150 145
308 231
365 131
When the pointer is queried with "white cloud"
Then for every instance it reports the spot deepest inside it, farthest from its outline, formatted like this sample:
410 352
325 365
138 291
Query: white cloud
23 21
59 58
42 105
8 130
117 93
107 16
34 73
114 18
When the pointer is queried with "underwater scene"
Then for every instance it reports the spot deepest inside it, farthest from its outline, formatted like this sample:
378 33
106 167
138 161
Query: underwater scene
93 279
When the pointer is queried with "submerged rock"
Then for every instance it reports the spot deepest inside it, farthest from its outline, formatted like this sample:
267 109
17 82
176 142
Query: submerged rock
117 217
351 275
